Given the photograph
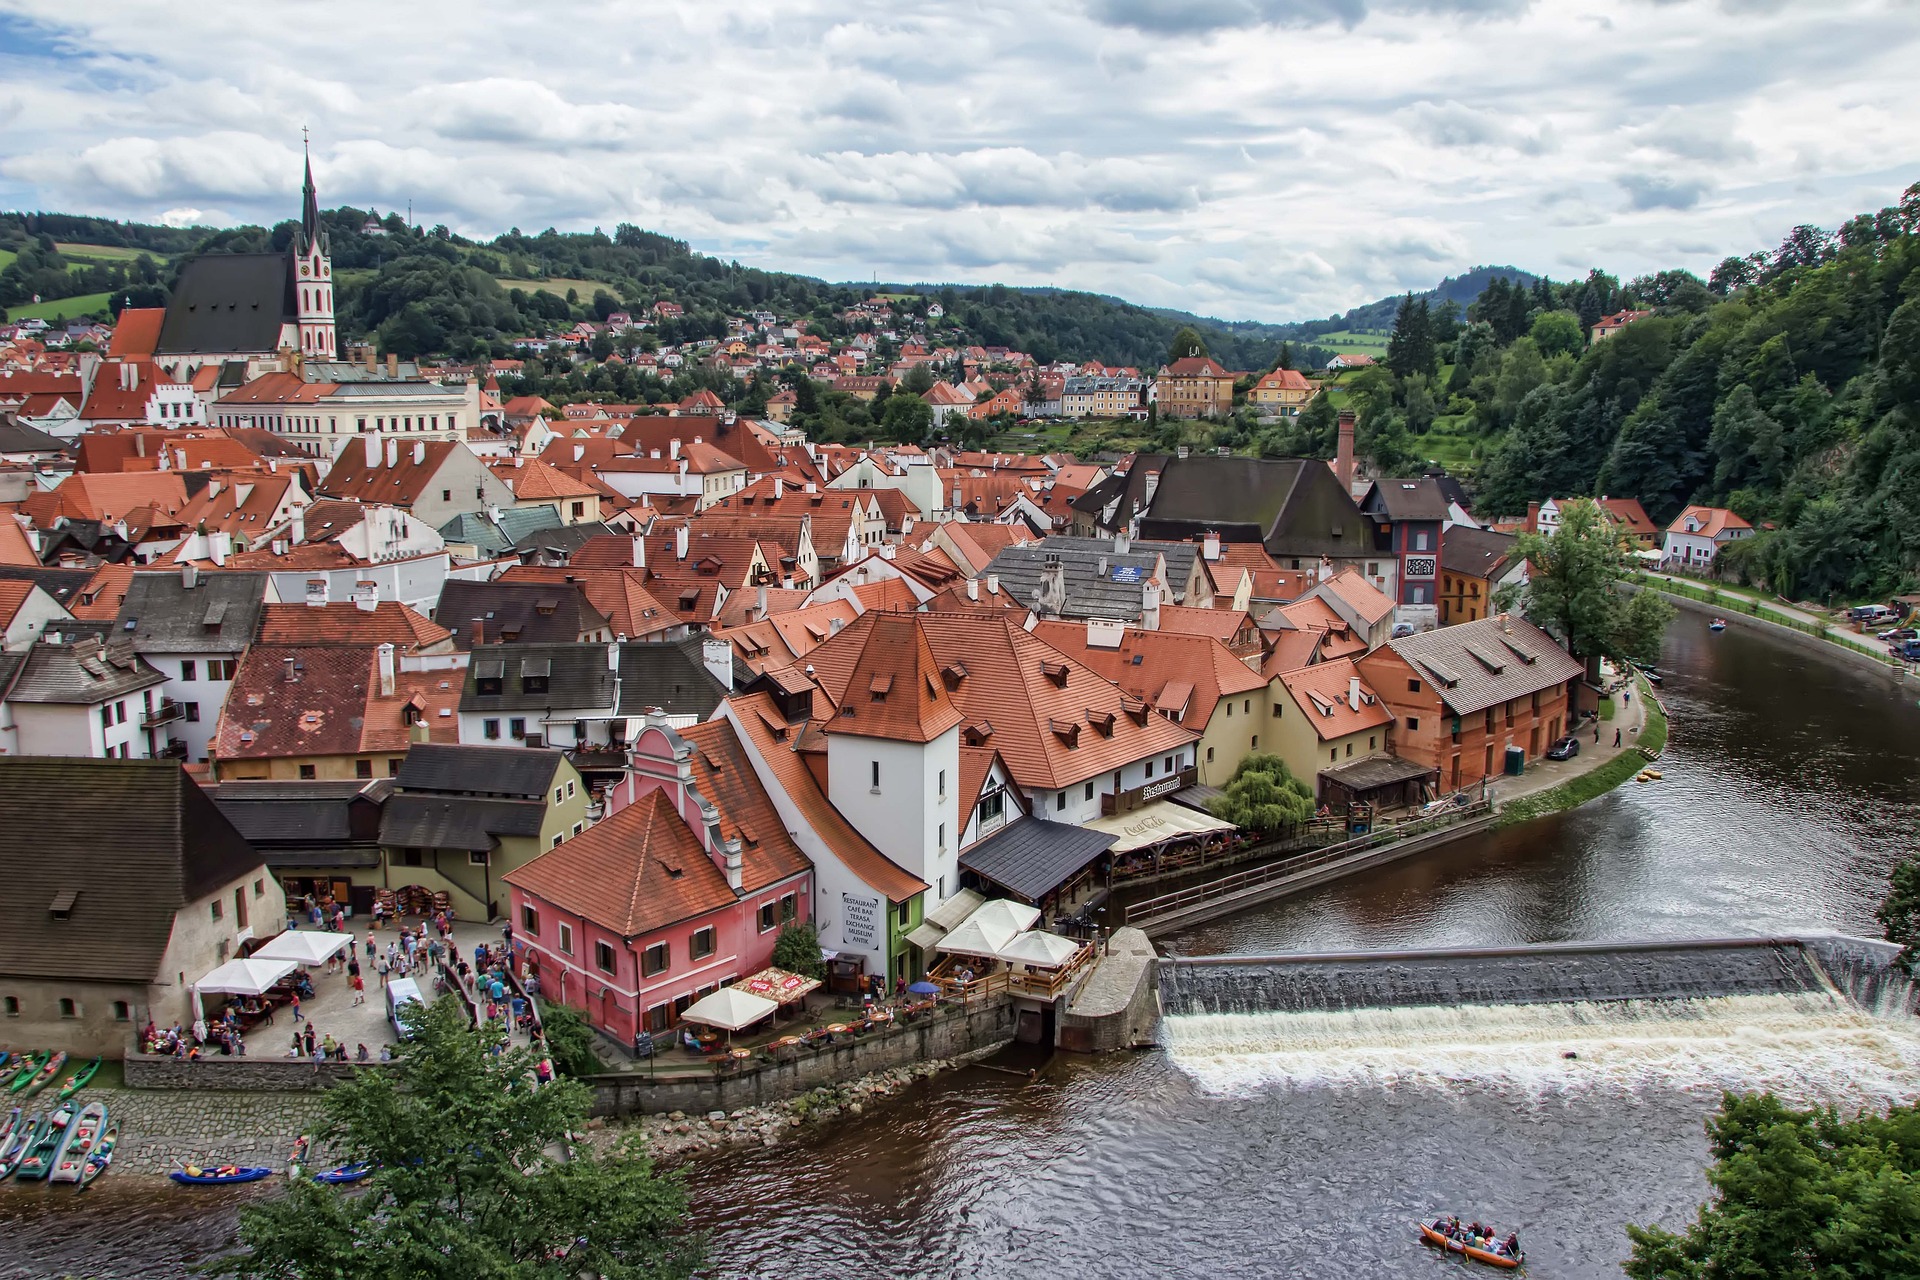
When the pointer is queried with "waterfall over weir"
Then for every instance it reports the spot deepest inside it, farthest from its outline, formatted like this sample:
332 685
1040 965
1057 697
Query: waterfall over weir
1817 1019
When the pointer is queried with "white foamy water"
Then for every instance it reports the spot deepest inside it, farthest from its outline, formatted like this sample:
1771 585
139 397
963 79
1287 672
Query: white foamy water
1808 1048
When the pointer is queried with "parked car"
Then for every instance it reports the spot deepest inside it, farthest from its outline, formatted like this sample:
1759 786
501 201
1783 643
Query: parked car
1909 651
1900 633
1565 749
400 991
1871 613
1401 630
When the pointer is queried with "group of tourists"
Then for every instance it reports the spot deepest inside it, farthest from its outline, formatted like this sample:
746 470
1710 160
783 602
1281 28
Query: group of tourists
1475 1236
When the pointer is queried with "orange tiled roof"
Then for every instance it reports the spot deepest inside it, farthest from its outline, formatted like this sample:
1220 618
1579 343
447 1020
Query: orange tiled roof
332 707
1200 665
725 775
136 332
1322 693
14 547
1371 603
108 497
635 872
533 480
1713 521
893 688
345 622
1222 624
621 594
100 599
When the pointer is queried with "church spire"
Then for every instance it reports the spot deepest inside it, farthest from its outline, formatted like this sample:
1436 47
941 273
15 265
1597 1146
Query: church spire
310 201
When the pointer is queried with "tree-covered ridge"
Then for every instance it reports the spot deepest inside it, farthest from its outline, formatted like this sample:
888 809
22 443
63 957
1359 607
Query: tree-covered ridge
1787 387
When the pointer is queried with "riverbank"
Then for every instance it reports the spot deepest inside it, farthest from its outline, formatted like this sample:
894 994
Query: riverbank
1811 632
1642 743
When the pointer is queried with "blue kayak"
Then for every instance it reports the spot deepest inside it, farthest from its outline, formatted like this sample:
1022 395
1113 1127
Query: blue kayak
195 1176
345 1173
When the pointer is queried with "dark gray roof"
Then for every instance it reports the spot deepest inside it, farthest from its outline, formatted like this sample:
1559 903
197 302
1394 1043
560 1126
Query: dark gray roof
578 678
1375 772
1116 498
1091 593
494 538
440 822
1030 858
17 437
1419 498
1294 506
83 673
308 824
669 675
132 840
63 585
517 612
229 302
220 613
1475 665
563 541
1480 552
513 772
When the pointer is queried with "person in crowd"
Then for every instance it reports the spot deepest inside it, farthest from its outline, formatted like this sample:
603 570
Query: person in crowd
294 1000
361 1053
359 989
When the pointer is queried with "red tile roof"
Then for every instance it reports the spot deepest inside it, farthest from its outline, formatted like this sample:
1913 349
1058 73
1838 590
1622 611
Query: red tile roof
637 871
1713 521
1323 692
1201 666
136 332
332 707
724 772
621 594
893 688
345 622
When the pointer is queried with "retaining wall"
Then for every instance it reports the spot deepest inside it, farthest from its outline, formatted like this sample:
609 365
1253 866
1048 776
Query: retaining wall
1115 1007
222 1074
984 1026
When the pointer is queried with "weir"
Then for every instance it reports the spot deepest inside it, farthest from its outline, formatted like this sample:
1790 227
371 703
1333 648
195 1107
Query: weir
1584 973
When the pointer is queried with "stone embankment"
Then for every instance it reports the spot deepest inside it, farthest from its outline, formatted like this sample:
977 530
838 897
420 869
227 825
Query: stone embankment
162 1129
677 1135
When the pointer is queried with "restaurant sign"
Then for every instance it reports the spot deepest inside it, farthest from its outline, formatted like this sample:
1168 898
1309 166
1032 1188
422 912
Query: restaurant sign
860 922
1139 797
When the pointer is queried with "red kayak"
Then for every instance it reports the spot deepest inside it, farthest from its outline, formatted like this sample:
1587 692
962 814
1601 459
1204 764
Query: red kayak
1441 1240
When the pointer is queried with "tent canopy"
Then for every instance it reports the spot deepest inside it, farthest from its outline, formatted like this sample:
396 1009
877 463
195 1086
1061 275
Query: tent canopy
1046 950
1156 823
306 946
729 1008
992 926
777 985
250 977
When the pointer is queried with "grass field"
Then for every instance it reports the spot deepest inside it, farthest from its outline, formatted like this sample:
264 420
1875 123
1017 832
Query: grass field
72 308
102 252
6 258
1348 342
557 285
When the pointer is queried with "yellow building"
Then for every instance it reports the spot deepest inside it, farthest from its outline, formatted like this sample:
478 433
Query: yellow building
1195 387
1325 716
1284 392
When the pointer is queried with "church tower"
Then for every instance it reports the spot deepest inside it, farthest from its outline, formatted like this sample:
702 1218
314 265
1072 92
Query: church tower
313 279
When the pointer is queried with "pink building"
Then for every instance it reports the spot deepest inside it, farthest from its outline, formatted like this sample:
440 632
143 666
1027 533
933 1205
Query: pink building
681 889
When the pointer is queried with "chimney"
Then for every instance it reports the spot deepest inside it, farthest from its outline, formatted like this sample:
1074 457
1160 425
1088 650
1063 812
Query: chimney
288 671
1121 543
673 450
393 364
189 576
222 547
639 552
479 633
1101 571
129 379
993 584
680 543
1210 545
297 534
373 450
366 595
973 588
733 863
717 656
386 670
760 604
779 488
1343 454
316 593
1533 513
1353 692
579 452
393 452
419 452
1153 486
1150 605
367 351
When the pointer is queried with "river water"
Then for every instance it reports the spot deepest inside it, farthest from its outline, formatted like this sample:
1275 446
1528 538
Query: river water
1303 1146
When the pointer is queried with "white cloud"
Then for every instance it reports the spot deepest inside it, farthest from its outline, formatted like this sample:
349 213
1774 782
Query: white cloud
1247 158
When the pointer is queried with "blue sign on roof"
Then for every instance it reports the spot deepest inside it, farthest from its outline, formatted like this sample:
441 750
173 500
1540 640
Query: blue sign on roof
1127 573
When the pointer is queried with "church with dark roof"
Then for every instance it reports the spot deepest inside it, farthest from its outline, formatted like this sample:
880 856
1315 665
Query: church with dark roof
267 309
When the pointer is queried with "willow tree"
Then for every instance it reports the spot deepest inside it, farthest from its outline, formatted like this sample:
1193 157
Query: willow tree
1263 795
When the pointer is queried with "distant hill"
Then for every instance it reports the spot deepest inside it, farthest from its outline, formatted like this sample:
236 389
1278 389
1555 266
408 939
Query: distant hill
1460 289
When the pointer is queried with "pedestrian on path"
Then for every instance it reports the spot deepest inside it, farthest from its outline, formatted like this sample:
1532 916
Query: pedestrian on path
297 1015
370 942
359 989
1616 737
1596 732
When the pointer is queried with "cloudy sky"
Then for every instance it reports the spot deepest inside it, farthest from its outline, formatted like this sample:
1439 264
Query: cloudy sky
1266 159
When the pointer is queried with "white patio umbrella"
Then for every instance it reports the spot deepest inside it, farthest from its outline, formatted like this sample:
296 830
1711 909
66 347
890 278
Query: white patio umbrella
304 946
1045 950
1006 914
250 977
729 1008
977 937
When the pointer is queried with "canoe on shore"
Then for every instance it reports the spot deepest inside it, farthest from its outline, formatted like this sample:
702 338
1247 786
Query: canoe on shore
196 1176
45 1075
79 1080
71 1159
1442 1241
25 1134
37 1163
344 1174
30 1064
101 1157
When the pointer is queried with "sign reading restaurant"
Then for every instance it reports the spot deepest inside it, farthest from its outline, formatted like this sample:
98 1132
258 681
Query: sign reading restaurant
1138 797
860 922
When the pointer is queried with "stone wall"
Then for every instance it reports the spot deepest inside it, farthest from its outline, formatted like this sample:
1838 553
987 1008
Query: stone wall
947 1036
1115 1007
227 1075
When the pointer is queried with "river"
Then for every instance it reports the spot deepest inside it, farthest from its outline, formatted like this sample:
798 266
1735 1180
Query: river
1789 791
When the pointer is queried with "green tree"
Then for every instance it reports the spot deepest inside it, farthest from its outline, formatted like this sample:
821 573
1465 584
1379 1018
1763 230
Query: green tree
1797 1195
1263 795
1557 333
918 380
906 418
464 1183
1573 590
797 950
1187 342
570 1040
1900 911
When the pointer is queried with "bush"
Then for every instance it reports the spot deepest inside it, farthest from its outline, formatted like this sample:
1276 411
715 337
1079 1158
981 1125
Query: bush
570 1041
797 950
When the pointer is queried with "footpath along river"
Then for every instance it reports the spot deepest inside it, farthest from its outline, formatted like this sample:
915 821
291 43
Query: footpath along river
1790 788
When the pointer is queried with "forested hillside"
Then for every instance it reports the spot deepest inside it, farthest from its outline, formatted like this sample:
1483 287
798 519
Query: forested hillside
1786 387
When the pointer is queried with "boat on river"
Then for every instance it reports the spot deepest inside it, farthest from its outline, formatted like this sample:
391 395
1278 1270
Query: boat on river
1718 624
194 1175
1441 1240
70 1161
101 1156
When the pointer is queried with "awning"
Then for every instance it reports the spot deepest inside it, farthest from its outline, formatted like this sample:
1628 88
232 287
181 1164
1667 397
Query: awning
1198 796
1155 824
777 985
248 977
1031 858
729 1008
305 946
927 934
1042 950
987 930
